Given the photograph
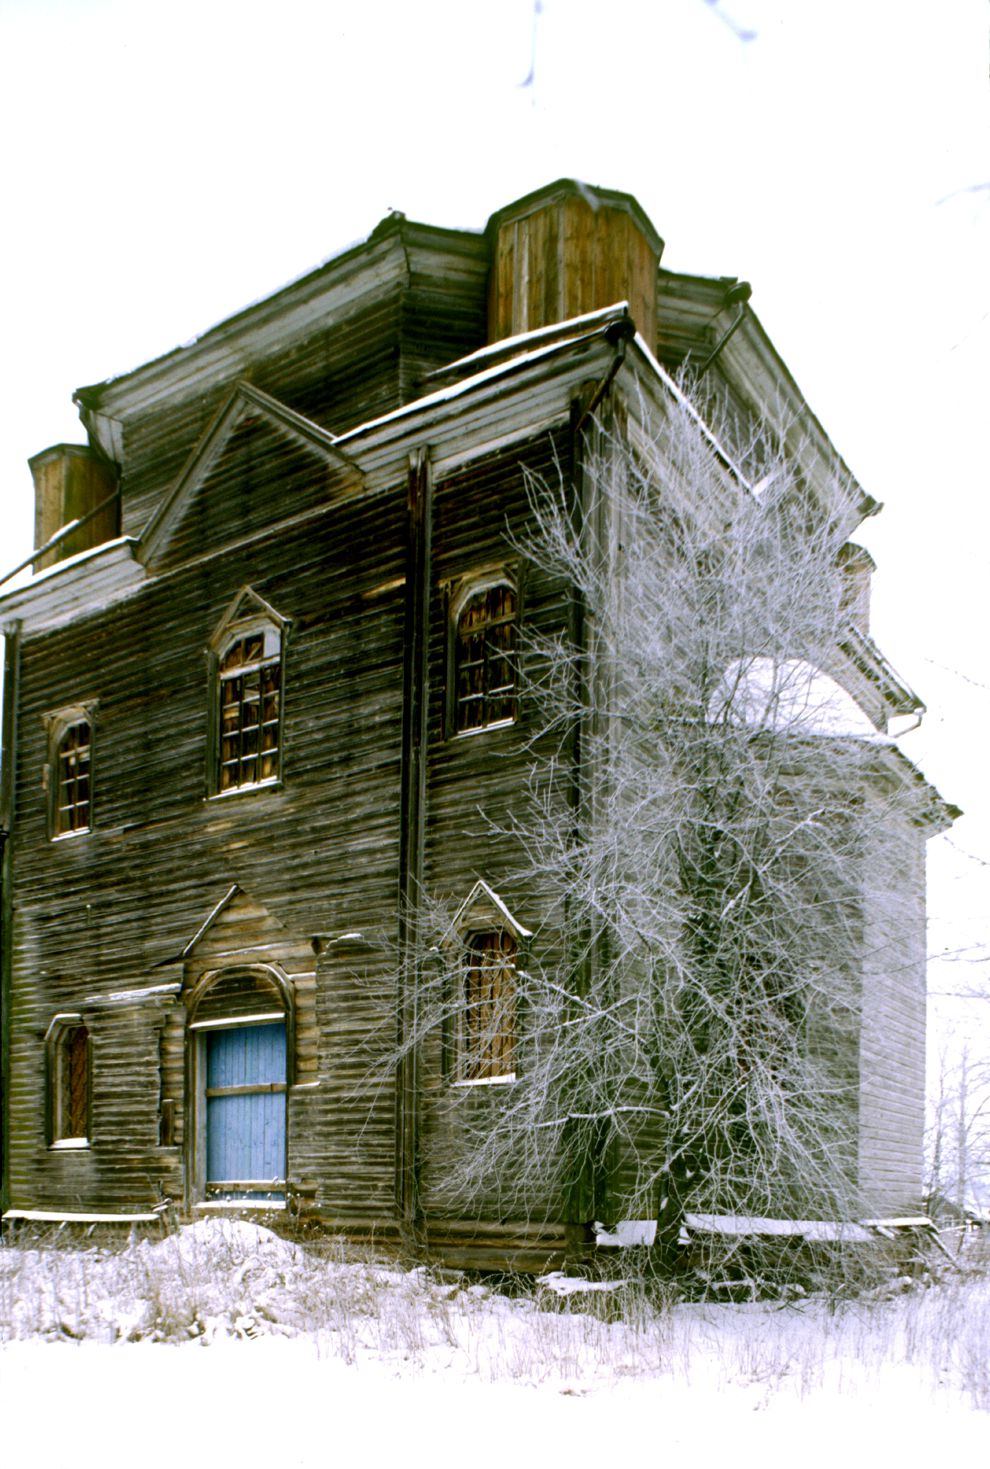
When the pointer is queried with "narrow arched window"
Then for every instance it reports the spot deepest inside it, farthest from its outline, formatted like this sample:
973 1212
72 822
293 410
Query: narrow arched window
249 695
487 1020
484 659
72 775
68 1082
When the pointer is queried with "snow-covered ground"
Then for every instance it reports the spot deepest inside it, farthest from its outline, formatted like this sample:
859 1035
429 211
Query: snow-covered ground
313 1359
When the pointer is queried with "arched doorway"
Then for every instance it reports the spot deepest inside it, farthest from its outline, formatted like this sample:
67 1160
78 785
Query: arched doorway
240 1059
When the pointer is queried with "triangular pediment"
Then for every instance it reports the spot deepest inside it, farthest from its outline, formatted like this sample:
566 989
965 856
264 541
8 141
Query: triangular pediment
243 965
247 606
231 964
483 905
236 923
258 463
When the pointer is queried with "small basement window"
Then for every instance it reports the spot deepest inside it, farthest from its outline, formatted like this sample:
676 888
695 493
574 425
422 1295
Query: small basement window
68 1059
484 676
486 1036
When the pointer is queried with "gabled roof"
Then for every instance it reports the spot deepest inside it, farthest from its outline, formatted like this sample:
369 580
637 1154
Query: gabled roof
246 604
233 897
365 270
245 402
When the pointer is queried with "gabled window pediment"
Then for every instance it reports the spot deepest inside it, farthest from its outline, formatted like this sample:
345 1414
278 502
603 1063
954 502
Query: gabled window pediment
482 905
246 656
247 607
484 1005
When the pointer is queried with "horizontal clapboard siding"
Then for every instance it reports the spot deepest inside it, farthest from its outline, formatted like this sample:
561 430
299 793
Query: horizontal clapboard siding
891 1059
313 858
105 911
475 783
183 910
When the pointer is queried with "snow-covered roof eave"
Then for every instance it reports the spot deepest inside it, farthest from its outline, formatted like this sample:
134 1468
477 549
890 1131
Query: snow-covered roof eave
750 338
933 811
678 394
564 333
224 347
528 349
464 387
98 576
863 652
557 331
67 563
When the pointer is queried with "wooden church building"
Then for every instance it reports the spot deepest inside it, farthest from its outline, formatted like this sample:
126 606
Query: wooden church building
262 681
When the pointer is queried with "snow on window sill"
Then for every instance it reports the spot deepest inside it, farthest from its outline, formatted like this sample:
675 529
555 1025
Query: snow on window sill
70 1144
239 1206
505 1080
246 790
480 729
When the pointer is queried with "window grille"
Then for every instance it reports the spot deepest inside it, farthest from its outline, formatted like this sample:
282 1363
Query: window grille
488 1012
484 660
73 778
250 681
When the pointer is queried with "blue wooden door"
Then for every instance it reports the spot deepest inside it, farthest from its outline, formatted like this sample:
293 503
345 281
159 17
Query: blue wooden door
245 1112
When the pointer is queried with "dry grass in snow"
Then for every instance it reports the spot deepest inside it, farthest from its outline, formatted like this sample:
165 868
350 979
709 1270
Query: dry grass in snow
359 1348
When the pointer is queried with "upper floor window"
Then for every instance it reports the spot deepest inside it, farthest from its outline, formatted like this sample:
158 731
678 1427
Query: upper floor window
74 772
484 676
487 1013
248 653
70 771
68 1082
250 689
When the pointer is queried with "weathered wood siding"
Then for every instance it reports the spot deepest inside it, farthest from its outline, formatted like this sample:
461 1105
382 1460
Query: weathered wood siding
104 911
892 1025
259 478
477 781
305 876
444 304
315 859
562 258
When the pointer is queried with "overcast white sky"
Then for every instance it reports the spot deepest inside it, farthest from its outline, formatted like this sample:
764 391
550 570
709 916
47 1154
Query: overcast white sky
162 166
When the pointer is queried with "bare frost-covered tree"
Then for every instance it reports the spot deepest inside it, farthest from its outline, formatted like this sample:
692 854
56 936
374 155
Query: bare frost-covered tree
957 1173
684 1023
